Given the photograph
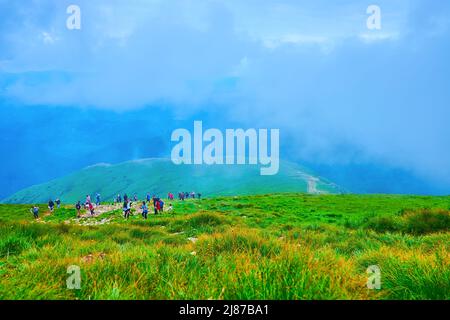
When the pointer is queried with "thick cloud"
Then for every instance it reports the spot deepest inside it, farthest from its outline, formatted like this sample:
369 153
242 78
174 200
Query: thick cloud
341 94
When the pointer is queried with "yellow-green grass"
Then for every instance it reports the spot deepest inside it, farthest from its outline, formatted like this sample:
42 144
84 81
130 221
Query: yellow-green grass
280 246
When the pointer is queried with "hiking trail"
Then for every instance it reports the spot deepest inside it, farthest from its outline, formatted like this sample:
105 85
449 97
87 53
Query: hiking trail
86 218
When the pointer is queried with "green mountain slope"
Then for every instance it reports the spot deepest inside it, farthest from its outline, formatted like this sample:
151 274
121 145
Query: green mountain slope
160 176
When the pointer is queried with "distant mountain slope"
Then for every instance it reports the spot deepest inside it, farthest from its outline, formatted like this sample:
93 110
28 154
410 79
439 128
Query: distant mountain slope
160 176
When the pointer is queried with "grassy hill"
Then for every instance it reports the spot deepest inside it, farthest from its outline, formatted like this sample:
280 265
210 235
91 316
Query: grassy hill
279 246
160 176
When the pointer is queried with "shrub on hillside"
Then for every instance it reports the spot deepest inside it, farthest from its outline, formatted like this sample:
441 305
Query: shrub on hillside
416 222
426 221
12 245
383 224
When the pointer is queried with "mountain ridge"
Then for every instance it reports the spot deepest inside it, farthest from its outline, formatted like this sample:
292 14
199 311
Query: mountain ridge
160 176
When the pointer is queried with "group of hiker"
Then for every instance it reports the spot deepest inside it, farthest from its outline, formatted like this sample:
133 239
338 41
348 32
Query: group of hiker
51 207
154 201
186 195
51 204
88 205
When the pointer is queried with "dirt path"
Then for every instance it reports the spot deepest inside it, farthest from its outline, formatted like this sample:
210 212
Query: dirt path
99 210
84 219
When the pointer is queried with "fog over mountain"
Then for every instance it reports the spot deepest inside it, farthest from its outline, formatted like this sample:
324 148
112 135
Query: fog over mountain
367 109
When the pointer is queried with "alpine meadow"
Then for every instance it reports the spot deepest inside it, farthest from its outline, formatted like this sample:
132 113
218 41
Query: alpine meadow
278 246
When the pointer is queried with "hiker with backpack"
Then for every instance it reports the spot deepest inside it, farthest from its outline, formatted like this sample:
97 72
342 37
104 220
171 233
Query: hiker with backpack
58 203
144 210
126 209
78 207
91 208
88 199
51 205
148 197
156 205
35 211
97 199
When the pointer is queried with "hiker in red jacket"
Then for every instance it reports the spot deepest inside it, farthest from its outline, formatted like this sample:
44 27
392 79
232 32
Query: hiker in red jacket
157 206
91 208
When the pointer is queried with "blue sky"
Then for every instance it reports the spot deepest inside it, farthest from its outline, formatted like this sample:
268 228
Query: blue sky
346 99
